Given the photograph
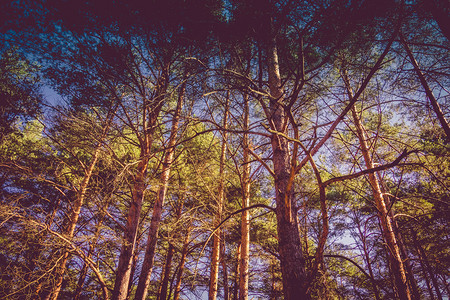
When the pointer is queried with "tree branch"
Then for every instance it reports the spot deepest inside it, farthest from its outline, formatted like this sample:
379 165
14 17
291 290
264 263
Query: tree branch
368 171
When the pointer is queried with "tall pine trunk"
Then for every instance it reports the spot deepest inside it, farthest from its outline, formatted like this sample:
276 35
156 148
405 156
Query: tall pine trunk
168 265
226 289
184 253
215 256
434 104
166 274
124 268
147 265
395 259
289 244
236 273
245 217
415 294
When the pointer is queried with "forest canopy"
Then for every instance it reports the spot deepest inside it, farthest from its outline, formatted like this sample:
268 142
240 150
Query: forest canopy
193 149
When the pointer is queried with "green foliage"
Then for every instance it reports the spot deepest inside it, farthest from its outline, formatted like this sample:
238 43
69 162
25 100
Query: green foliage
19 94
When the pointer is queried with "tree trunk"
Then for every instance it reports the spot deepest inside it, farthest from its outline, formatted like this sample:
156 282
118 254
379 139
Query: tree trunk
134 261
184 252
423 258
409 270
215 256
147 265
236 273
434 104
393 252
123 273
289 244
394 256
162 295
368 263
245 217
166 275
226 291
74 215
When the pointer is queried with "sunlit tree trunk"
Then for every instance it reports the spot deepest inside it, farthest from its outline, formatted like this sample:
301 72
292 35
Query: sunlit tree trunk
245 217
147 264
236 273
123 273
226 291
76 208
215 256
408 267
394 256
134 261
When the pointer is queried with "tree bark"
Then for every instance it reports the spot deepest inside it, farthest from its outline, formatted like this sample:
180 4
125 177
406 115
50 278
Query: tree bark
123 272
168 265
147 265
73 220
215 256
408 267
